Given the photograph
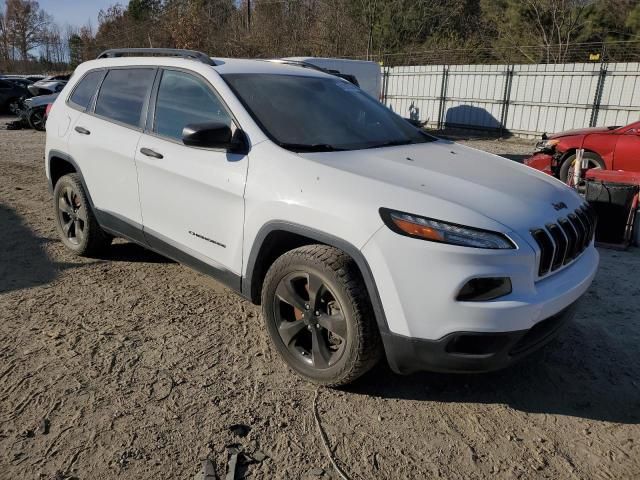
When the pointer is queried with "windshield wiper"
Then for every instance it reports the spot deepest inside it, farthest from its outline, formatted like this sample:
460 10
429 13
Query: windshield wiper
314 147
391 143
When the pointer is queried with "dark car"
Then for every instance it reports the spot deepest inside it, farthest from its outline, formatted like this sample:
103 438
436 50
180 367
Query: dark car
22 82
610 148
35 110
10 95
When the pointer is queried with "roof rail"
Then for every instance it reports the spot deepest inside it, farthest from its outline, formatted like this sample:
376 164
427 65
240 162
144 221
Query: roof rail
157 52
295 63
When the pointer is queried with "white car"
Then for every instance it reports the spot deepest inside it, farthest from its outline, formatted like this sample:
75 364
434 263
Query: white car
358 233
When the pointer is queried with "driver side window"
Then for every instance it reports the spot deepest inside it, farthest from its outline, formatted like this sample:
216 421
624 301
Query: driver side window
185 99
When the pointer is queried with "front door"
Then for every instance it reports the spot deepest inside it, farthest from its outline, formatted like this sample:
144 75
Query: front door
192 199
627 153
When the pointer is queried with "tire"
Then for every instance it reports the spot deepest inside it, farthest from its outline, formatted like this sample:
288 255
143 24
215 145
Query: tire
331 338
75 222
594 162
37 120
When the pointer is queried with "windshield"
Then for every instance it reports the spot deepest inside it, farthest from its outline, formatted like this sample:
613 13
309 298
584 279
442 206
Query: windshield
307 113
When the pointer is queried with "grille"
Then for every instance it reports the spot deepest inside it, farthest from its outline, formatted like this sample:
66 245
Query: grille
562 242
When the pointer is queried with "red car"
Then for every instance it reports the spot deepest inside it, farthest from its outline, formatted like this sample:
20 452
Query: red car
610 148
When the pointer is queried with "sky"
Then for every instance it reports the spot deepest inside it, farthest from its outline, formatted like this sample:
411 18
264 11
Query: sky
77 12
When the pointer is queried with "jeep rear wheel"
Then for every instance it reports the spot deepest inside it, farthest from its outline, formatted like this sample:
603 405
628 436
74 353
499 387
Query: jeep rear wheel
319 316
75 222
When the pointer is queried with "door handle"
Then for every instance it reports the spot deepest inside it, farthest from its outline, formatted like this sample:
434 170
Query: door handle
83 131
151 153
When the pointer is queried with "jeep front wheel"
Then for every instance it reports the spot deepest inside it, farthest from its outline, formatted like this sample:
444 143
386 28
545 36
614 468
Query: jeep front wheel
319 316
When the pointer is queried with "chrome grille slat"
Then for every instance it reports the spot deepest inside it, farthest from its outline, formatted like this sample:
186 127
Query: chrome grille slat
585 224
580 232
572 236
562 242
547 249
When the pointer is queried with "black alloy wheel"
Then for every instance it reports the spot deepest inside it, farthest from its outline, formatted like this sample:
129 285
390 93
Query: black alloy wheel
75 222
37 120
72 215
311 322
319 315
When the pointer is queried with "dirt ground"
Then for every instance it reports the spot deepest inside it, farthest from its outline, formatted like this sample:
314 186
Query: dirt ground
132 366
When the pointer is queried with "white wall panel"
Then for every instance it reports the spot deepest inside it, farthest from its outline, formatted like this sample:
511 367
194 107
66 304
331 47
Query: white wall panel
543 98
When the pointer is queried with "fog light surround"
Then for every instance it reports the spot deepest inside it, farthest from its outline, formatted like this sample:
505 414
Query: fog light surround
484 289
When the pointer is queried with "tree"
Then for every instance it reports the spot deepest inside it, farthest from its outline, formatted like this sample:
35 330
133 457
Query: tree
75 49
558 22
26 23
140 10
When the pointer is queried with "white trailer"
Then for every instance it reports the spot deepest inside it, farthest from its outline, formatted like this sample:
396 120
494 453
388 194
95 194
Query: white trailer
368 74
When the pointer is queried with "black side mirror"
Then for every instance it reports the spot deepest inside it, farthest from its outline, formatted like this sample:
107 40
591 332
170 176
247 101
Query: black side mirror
208 135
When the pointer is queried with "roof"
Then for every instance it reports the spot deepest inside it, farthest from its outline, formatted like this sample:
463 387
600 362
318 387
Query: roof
222 65
235 65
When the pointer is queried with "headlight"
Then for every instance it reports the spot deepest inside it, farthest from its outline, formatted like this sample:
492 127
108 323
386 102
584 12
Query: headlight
546 145
443 232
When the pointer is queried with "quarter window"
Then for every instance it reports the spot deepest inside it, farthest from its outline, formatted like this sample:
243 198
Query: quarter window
85 89
123 94
184 99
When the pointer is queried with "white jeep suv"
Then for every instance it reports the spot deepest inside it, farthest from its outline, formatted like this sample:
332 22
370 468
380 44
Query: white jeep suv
359 234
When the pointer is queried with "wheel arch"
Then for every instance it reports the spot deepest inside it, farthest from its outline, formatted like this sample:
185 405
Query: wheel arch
278 237
566 156
60 164
571 151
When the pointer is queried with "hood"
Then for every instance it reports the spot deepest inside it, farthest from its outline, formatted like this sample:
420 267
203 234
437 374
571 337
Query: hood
582 131
431 176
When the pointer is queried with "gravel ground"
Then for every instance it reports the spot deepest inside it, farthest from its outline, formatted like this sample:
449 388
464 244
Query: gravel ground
132 366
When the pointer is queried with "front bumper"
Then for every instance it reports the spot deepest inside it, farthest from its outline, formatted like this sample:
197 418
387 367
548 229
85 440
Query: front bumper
541 161
471 352
428 329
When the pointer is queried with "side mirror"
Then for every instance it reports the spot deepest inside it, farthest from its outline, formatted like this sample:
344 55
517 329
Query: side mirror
213 135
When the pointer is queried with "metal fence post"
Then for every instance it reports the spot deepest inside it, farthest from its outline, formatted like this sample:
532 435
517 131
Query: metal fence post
443 97
506 98
598 95
386 70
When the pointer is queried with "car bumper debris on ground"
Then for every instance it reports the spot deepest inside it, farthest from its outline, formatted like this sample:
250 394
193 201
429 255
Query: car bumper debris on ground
133 366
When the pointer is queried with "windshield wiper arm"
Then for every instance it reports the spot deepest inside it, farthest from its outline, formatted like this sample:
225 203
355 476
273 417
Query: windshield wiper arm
391 143
314 147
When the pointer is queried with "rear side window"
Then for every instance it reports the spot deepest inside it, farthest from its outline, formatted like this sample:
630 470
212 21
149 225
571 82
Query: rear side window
184 99
123 94
85 89
4 85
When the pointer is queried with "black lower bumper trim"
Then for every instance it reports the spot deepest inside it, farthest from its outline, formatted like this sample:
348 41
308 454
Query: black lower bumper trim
466 352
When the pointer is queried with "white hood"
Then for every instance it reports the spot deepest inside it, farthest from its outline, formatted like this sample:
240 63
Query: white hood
516 196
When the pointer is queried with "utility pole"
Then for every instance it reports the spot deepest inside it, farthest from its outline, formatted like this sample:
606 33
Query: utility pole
248 14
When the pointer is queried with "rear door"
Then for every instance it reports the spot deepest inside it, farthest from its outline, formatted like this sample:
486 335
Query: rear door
627 153
103 142
192 198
